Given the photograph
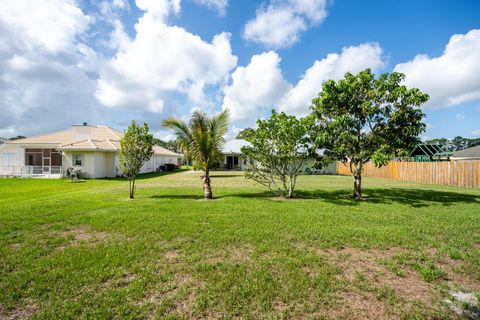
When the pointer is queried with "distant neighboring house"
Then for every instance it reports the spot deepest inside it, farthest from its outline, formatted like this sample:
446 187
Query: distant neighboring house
429 152
472 153
311 167
233 157
235 160
92 149
2 140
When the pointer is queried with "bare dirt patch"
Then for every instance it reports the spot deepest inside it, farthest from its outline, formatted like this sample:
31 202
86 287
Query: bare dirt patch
372 291
123 281
25 310
172 256
82 235
177 297
457 278
356 305
241 253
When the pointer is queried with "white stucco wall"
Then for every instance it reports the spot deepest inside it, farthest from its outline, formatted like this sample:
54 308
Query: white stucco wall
17 150
88 167
95 164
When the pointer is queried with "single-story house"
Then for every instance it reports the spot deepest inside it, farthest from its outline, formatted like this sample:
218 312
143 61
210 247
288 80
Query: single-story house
235 160
91 149
472 153
2 140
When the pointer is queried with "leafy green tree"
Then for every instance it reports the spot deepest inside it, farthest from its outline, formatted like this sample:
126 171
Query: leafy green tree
171 145
245 133
202 139
360 118
17 137
136 147
278 152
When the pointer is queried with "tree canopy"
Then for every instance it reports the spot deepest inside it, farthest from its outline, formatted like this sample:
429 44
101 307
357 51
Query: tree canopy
245 133
362 118
136 147
278 151
202 139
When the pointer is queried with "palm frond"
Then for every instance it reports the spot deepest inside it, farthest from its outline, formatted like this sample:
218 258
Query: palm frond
202 138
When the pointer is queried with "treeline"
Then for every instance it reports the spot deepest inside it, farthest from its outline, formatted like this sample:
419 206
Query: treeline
456 144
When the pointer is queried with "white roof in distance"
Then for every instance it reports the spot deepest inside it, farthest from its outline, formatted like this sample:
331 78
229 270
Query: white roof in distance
235 146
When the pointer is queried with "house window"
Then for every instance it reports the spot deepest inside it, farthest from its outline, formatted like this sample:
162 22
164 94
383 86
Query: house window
78 160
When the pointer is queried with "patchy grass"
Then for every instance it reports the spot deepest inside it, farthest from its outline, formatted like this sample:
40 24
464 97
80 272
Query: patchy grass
87 251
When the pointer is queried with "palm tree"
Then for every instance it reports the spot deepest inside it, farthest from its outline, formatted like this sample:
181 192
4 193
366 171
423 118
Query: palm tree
202 139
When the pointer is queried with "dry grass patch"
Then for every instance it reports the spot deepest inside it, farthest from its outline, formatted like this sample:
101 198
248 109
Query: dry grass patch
24 310
374 291
177 297
83 235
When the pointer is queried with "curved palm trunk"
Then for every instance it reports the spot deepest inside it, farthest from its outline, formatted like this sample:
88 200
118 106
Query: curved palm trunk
207 188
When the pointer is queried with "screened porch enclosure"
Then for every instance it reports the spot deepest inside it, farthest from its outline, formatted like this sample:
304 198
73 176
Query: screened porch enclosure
43 161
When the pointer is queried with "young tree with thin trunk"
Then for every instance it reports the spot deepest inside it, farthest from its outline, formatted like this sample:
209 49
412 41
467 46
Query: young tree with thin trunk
361 118
136 147
202 139
278 152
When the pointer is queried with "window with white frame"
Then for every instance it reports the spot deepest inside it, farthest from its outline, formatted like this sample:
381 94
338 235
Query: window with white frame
78 160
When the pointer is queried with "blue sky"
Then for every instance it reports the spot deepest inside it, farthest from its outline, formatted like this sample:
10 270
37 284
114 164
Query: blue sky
66 61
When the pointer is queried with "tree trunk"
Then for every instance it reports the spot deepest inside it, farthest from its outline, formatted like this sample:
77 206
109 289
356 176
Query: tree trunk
207 188
132 187
290 189
357 186
357 183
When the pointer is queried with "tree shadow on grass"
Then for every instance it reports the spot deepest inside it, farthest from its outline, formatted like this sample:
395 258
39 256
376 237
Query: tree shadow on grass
149 175
225 176
178 196
412 197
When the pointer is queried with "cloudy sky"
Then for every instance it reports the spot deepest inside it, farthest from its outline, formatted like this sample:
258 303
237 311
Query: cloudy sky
64 62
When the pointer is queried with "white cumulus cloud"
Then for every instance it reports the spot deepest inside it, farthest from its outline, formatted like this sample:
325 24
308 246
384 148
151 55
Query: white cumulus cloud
50 25
352 59
45 70
281 23
161 61
255 88
219 5
452 78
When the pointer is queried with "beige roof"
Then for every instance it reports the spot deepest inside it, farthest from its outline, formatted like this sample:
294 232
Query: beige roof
85 137
89 144
73 135
161 151
110 145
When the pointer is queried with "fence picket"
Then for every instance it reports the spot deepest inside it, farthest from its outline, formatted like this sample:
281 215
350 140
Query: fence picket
457 173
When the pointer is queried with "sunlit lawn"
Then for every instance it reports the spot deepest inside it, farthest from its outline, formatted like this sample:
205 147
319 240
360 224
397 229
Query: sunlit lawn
84 250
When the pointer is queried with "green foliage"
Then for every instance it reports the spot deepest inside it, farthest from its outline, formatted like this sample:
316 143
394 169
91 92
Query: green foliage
171 145
202 140
246 134
17 137
430 272
136 147
360 119
278 152
456 144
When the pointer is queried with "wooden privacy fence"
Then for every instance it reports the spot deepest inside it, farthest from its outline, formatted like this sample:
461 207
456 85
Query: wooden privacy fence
455 173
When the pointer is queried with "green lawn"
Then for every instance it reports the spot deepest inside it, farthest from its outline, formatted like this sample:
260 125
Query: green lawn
84 250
